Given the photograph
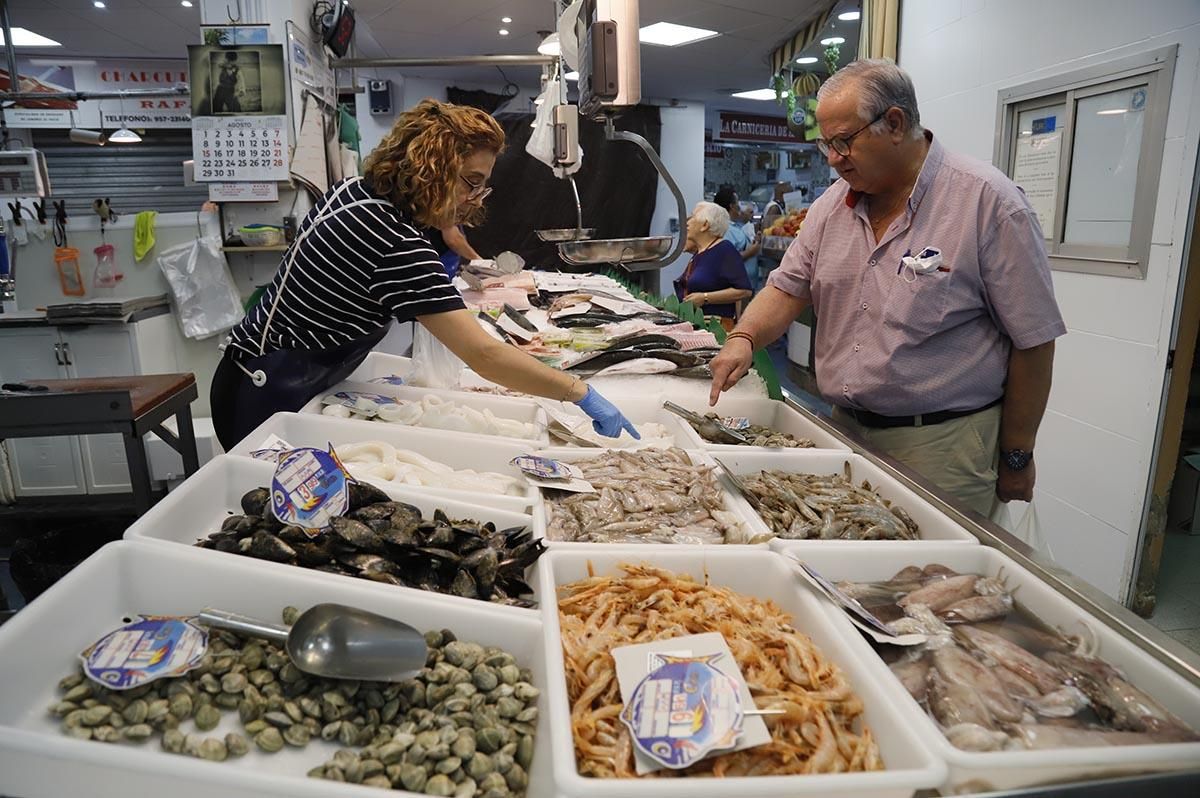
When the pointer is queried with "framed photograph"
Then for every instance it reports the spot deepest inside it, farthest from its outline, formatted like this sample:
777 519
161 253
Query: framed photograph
237 80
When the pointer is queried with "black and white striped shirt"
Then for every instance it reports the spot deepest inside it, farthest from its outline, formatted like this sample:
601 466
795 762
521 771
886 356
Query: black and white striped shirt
354 270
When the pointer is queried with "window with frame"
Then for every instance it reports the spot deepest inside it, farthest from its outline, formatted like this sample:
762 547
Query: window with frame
1086 148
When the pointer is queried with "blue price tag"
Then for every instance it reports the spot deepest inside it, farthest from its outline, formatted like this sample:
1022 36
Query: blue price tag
153 647
683 710
309 488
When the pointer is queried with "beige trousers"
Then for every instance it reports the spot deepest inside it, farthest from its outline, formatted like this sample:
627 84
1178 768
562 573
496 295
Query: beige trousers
959 456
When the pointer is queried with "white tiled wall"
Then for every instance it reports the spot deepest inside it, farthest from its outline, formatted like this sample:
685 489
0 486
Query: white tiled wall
1096 444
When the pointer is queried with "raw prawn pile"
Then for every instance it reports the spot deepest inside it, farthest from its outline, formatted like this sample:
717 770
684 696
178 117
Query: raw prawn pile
820 732
437 413
377 461
996 682
648 496
826 507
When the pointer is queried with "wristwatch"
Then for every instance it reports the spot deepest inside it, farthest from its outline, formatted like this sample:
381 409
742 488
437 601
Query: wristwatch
1016 459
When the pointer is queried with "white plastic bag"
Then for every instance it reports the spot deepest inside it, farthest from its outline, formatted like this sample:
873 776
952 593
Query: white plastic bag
1026 528
434 366
541 141
205 298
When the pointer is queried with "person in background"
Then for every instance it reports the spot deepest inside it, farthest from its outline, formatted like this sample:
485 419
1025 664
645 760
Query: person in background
776 208
715 278
928 273
746 245
755 235
360 260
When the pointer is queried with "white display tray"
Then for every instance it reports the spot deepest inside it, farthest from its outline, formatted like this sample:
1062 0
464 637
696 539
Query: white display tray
910 763
767 412
478 454
524 410
640 411
734 503
41 644
934 526
197 507
381 364
1012 769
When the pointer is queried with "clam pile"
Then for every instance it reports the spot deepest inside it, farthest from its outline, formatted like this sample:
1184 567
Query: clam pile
463 726
390 542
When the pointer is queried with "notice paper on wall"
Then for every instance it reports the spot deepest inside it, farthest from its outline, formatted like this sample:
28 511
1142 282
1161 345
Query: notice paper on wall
1035 169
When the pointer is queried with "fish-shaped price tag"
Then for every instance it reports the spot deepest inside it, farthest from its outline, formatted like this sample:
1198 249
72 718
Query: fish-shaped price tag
152 647
271 448
367 404
388 379
555 474
309 488
685 699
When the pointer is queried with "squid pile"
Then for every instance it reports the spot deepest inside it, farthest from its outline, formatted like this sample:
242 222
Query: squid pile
826 507
995 678
820 731
436 413
647 496
380 462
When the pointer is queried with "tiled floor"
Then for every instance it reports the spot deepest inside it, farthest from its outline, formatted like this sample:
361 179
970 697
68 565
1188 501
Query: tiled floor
1178 610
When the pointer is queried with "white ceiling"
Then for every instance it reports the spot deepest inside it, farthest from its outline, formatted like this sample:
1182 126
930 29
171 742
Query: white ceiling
708 70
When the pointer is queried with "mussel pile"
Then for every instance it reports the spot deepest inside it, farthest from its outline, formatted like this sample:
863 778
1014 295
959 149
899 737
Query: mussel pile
390 542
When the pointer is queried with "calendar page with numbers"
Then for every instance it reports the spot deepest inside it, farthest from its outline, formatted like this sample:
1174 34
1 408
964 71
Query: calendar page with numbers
233 148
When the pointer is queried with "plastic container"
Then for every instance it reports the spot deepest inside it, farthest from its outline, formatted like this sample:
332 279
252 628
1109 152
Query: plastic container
910 763
261 235
381 364
1012 769
934 526
523 410
38 761
767 412
734 503
197 507
481 455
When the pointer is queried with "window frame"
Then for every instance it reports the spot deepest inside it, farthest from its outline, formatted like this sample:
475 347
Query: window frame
1155 69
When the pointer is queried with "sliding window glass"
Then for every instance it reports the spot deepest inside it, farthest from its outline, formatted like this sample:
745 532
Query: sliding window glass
1086 148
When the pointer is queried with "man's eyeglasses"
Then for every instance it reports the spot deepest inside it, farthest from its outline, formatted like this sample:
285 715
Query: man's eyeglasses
478 190
841 144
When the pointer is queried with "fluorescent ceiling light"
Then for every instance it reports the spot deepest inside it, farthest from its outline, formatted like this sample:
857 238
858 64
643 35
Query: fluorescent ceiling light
572 75
669 34
503 31
27 38
98 4
833 40
124 136
506 20
185 3
1111 111
756 94
849 16
808 59
550 45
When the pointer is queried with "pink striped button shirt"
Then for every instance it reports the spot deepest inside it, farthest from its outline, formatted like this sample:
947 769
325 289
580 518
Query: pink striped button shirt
898 343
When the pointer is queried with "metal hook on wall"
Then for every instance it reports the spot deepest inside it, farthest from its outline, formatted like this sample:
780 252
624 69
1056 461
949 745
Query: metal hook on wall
239 10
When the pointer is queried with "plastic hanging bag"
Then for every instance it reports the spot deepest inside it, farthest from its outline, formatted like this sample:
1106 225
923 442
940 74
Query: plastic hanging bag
541 140
206 300
66 261
434 366
1026 528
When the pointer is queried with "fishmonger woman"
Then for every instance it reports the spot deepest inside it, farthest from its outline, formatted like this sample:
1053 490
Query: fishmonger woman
360 259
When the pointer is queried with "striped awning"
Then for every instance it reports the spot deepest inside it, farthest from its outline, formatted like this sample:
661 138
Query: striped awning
785 53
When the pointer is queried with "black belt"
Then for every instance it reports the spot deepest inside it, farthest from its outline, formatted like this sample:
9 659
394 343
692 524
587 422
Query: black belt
876 421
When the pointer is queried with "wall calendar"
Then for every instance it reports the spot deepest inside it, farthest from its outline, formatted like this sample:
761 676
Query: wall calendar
235 148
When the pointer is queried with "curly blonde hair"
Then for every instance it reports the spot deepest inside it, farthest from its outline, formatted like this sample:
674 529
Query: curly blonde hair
418 163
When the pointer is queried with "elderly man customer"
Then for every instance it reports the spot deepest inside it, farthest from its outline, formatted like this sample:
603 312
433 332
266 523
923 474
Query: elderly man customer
928 274
741 230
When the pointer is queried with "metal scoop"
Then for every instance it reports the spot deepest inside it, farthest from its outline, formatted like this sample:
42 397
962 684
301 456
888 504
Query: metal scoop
714 431
337 642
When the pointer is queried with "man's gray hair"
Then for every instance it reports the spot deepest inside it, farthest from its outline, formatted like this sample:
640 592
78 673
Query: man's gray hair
713 215
880 85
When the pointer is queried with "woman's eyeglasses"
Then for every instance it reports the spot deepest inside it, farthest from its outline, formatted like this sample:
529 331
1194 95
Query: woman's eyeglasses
478 190
841 144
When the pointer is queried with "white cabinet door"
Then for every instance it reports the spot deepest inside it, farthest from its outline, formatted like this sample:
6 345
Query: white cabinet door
101 351
40 466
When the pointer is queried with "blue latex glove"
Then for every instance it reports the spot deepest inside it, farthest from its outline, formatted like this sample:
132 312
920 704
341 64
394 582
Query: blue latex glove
606 418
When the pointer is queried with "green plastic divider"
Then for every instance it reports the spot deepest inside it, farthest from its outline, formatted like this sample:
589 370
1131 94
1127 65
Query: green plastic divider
766 370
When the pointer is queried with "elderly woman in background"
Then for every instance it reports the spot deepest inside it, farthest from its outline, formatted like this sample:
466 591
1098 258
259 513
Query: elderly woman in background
715 280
